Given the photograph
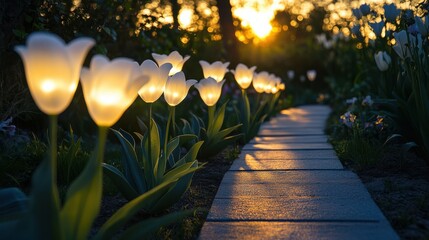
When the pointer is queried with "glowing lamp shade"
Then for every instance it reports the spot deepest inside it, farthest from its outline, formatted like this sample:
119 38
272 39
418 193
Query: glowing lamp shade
243 75
260 81
174 58
311 75
177 88
110 87
215 70
52 69
157 76
210 90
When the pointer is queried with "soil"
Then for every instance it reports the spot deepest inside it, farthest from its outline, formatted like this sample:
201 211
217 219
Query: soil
399 184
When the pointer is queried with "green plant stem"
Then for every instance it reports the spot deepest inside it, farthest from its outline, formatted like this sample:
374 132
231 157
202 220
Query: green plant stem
53 152
167 130
211 110
102 136
55 198
149 140
246 114
173 121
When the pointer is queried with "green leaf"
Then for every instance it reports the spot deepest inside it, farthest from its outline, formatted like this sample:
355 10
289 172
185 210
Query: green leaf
120 181
179 171
218 120
171 146
83 199
177 190
142 229
191 155
45 203
125 213
155 148
83 202
133 172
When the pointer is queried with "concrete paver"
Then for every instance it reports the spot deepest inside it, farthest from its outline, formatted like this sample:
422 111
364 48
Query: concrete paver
296 230
309 164
287 146
288 183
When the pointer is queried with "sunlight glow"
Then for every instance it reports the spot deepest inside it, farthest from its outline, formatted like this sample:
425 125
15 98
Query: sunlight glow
185 17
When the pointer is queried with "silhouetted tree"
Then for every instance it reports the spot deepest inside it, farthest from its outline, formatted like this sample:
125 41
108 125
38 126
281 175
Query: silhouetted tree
228 31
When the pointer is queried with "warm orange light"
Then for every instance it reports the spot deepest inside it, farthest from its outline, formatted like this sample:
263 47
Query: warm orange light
185 17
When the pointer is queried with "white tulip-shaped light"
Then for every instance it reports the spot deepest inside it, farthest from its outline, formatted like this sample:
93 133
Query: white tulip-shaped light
52 69
177 88
110 87
210 90
174 58
243 75
260 81
382 59
290 74
157 76
271 84
215 70
311 75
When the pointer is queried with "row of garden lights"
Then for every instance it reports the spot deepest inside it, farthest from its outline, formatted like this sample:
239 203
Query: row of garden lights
110 86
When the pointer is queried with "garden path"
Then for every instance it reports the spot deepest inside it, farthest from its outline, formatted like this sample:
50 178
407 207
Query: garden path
288 183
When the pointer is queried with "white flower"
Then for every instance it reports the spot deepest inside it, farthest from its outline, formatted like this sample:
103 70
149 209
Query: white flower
243 75
423 26
367 101
377 28
210 90
110 87
157 77
365 9
290 74
215 70
177 88
406 42
382 59
348 119
357 13
311 75
351 100
174 58
391 12
52 69
260 81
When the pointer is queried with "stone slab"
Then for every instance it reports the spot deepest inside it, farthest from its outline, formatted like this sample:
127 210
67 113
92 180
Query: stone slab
291 132
291 139
354 190
289 177
288 155
288 125
287 146
257 165
295 208
297 230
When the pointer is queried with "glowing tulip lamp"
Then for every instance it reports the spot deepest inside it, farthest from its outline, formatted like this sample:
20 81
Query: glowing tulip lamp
215 70
210 90
174 58
52 70
110 87
311 75
176 90
243 75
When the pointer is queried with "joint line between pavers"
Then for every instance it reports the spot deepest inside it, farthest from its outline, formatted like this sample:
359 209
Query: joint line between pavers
287 170
297 220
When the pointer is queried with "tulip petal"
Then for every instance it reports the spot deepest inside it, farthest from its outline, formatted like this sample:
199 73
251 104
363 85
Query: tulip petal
98 62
